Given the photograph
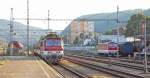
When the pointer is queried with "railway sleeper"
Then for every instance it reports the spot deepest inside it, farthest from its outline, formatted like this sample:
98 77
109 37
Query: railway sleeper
111 71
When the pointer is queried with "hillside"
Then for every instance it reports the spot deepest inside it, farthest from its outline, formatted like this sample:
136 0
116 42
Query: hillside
103 26
20 30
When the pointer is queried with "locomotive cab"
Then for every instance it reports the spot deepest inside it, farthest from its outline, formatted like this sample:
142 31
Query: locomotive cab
51 48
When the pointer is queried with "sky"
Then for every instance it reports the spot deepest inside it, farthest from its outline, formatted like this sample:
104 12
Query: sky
64 9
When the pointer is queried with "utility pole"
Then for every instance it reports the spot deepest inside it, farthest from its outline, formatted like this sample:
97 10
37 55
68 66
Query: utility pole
48 20
145 50
11 32
117 28
67 38
28 27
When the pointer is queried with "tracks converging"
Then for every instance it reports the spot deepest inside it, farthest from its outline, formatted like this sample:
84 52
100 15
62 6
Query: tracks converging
118 62
68 69
118 69
116 72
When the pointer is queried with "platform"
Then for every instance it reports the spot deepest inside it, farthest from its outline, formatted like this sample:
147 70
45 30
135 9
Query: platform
25 67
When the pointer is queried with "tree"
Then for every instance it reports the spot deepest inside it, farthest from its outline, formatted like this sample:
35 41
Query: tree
108 32
42 37
133 26
82 36
148 25
76 40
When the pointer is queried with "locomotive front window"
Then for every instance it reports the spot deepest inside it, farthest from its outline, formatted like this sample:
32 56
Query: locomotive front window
53 43
49 43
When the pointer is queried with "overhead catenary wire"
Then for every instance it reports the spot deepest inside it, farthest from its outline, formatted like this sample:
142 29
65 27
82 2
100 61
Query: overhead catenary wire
61 19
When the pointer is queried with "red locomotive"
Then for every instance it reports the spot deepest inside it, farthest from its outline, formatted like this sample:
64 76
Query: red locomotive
15 48
51 48
107 48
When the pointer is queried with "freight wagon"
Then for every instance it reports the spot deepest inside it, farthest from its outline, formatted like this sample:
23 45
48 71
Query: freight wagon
126 49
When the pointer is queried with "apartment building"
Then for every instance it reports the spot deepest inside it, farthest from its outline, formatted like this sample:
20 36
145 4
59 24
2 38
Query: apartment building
86 28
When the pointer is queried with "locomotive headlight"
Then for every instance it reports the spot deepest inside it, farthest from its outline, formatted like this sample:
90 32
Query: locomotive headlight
61 52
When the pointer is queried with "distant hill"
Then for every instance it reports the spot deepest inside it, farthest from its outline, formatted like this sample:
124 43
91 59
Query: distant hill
21 32
103 26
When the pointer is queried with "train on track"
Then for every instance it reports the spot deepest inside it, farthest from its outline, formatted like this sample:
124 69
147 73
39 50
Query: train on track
50 48
124 49
107 48
15 48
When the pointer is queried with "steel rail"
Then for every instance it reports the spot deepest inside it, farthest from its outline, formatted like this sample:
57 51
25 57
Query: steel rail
117 73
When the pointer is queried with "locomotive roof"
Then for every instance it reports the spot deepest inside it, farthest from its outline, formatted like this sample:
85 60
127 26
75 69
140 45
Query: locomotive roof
50 36
17 43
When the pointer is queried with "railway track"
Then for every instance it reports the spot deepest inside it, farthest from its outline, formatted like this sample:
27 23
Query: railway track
131 60
68 72
137 61
74 70
110 70
114 62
